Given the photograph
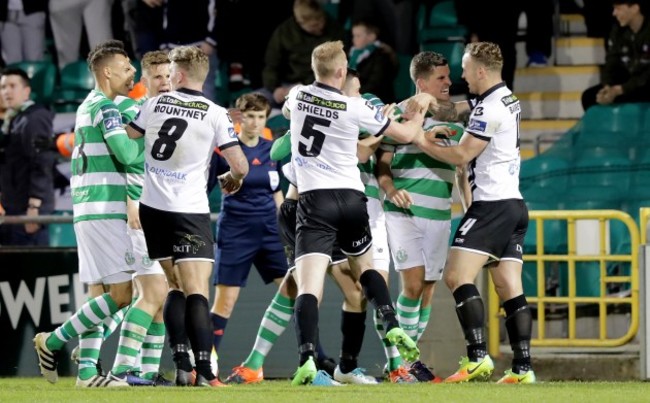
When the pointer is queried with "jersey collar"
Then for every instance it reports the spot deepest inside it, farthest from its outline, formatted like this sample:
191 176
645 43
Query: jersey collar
490 91
189 91
327 87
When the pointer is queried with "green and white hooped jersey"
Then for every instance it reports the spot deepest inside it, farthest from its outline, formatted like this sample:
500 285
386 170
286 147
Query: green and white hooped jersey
373 191
429 181
98 182
129 109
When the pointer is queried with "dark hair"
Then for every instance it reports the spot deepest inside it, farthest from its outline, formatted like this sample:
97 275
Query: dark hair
643 4
103 51
424 63
14 71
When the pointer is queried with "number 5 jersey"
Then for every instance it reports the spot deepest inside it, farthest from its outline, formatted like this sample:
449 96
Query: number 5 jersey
325 127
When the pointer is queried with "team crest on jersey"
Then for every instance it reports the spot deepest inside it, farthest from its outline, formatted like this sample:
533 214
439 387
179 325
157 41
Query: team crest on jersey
146 262
129 258
401 255
477 125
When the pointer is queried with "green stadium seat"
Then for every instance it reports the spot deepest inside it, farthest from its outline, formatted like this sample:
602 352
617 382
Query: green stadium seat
76 81
548 172
403 85
62 235
440 23
42 75
624 119
609 171
555 231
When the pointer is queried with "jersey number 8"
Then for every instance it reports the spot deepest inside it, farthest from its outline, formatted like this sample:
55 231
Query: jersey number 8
170 132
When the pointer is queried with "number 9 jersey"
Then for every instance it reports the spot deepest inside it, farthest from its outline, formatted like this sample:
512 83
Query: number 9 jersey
181 129
325 126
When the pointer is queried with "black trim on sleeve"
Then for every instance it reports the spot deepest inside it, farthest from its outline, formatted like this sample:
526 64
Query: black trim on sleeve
228 145
480 137
136 127
383 129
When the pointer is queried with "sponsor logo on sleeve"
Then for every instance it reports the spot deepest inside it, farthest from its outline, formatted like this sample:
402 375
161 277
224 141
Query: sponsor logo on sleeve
231 133
112 123
477 125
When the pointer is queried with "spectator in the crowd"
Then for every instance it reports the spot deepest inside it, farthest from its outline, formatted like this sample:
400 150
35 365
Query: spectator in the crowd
244 54
68 17
22 30
498 22
288 54
143 20
194 23
26 161
375 61
626 73
385 14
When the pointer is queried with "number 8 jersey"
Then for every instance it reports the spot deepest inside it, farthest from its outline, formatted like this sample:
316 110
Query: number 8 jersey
325 127
181 129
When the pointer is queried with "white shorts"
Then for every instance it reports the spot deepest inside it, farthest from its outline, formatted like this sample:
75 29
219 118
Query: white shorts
416 241
380 251
105 252
143 265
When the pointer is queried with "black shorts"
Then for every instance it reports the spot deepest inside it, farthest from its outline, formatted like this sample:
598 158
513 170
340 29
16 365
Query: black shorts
329 215
177 236
494 228
287 227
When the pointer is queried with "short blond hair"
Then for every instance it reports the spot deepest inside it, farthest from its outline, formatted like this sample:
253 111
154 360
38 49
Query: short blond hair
324 58
192 60
154 58
486 53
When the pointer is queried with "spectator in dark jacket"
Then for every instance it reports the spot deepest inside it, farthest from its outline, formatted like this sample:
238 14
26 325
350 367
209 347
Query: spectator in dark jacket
626 73
26 161
375 61
288 54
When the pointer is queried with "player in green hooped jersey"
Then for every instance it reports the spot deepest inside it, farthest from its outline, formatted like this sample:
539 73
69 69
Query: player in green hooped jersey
102 152
142 364
418 207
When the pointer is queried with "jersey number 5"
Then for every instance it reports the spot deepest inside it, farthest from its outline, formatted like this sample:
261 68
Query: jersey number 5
312 139
170 132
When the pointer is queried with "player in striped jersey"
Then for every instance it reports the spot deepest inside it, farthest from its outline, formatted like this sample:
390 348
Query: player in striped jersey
492 230
418 209
144 320
102 152
148 275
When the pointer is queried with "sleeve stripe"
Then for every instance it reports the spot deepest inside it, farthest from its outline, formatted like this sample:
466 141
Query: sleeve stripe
115 132
136 127
478 136
228 145
383 129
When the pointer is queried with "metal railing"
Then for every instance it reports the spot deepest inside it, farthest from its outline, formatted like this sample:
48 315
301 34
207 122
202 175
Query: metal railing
572 301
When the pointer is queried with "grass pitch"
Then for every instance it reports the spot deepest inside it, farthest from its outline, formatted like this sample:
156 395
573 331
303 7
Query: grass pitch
38 390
